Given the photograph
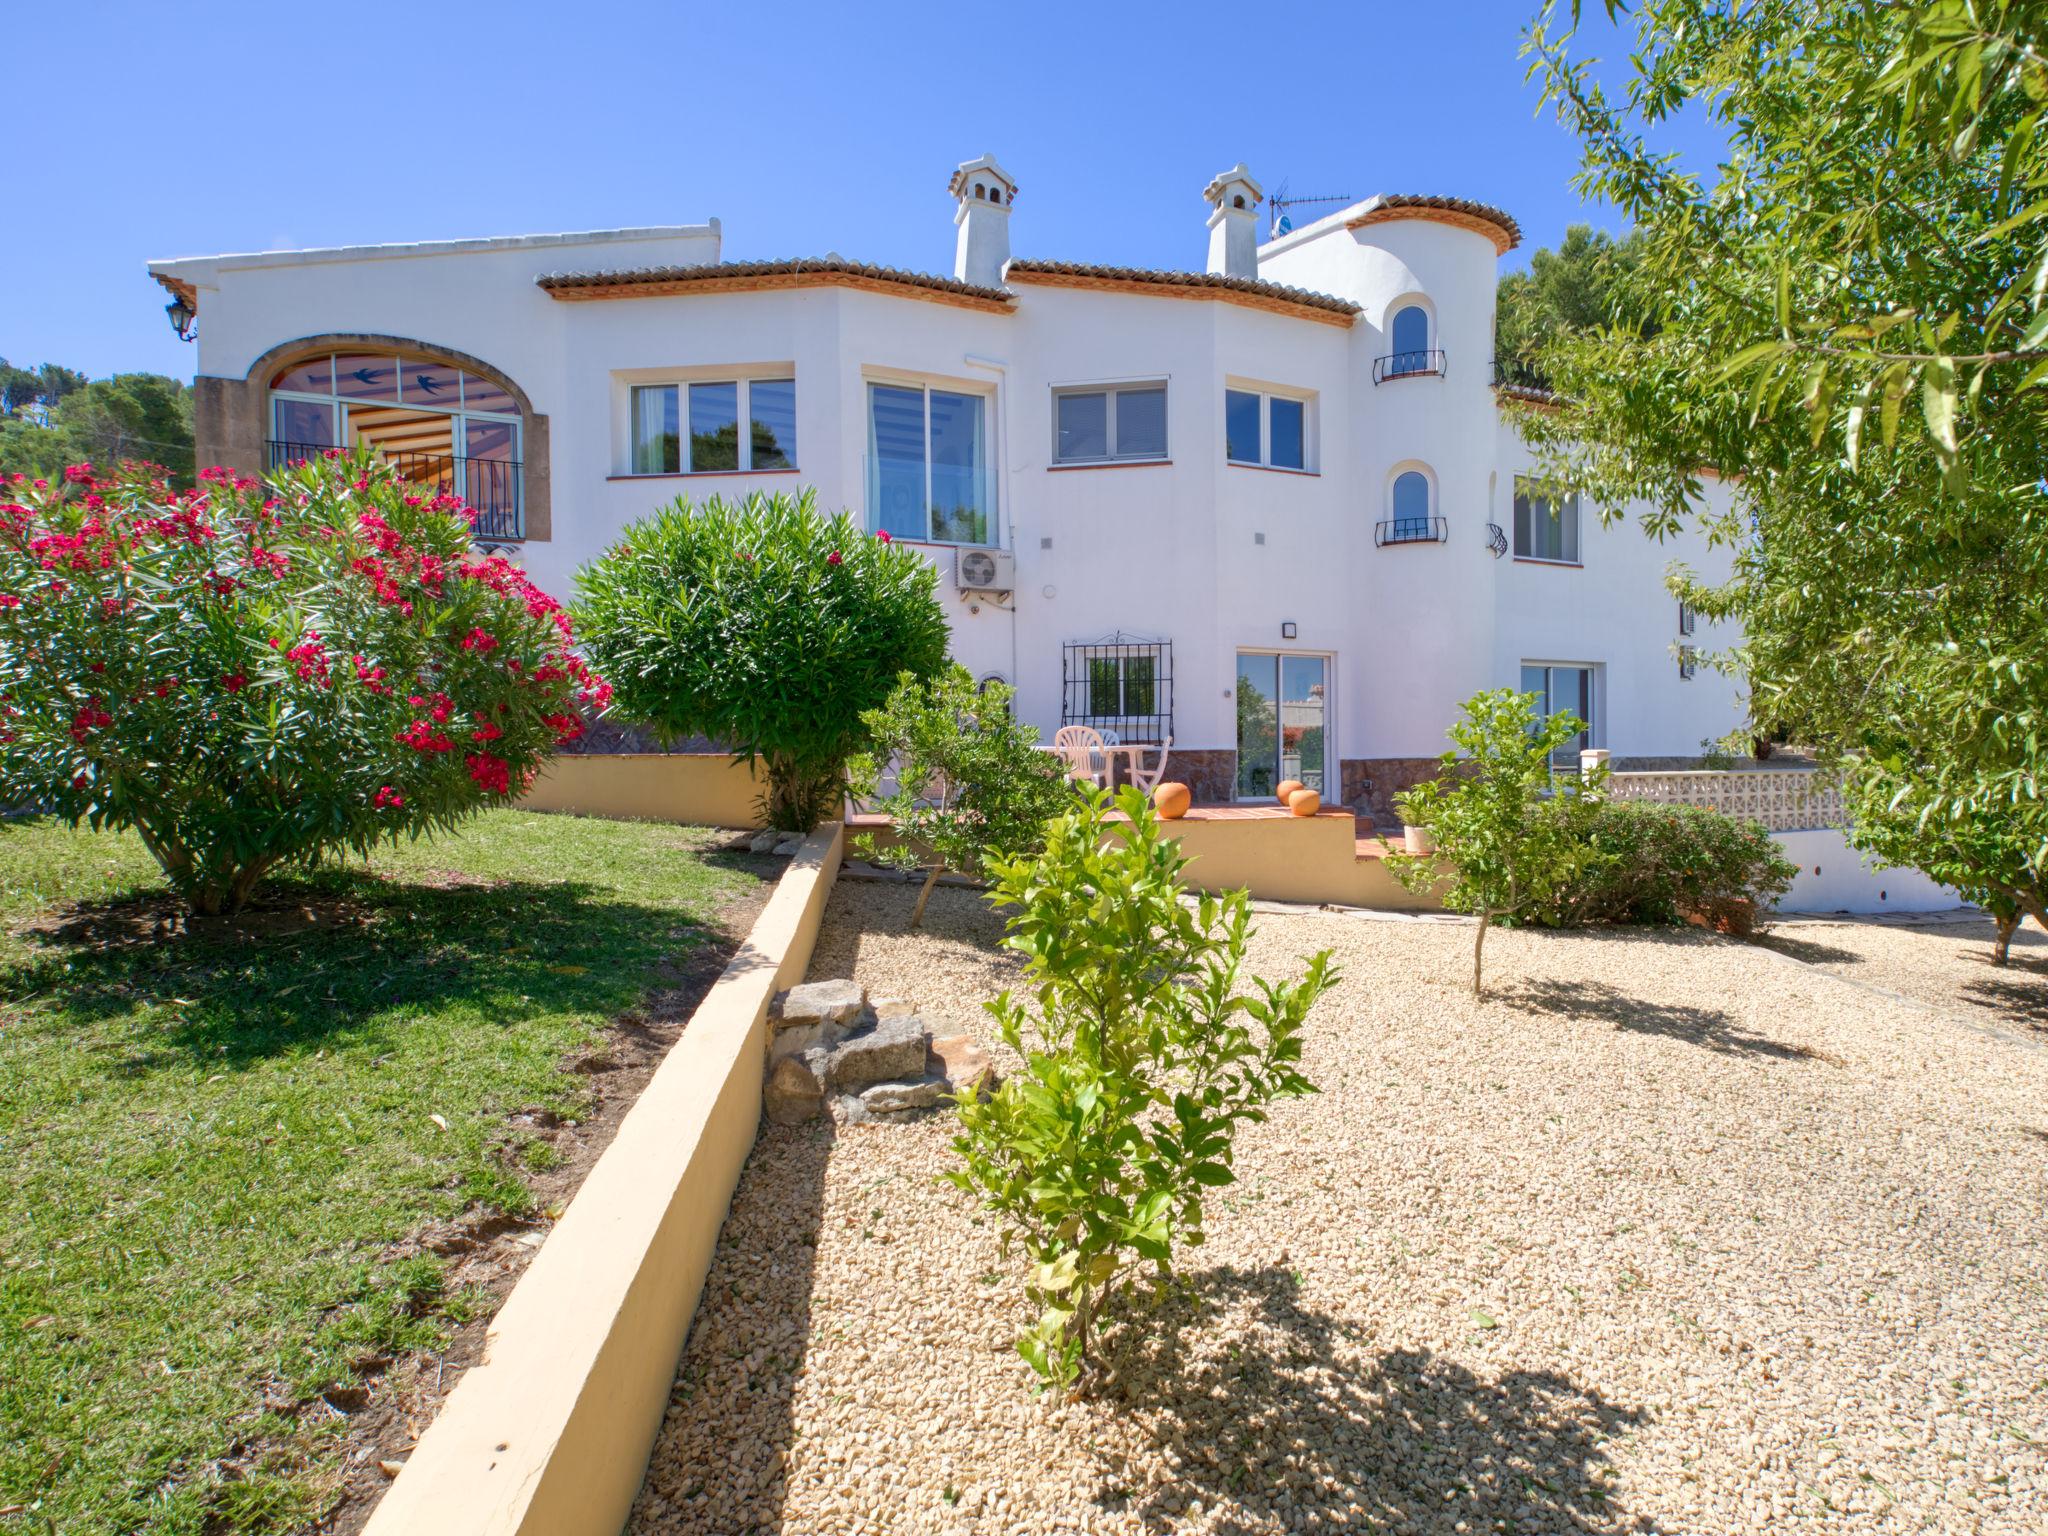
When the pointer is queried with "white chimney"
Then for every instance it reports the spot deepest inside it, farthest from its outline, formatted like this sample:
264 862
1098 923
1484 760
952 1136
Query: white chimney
985 192
1233 200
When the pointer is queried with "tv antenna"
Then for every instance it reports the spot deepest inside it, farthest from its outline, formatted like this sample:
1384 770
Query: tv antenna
1278 204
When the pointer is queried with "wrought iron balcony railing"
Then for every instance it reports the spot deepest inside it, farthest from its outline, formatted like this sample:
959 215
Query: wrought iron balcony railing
1408 365
1412 530
490 486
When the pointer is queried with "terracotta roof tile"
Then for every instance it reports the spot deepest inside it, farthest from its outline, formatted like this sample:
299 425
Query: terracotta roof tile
1501 226
734 274
1272 294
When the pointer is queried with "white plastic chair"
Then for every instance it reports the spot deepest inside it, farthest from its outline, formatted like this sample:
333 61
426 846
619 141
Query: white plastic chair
1082 748
1146 778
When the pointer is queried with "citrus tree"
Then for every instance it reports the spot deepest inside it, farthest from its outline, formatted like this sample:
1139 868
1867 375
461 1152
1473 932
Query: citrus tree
971 784
255 674
1144 1051
1508 830
766 627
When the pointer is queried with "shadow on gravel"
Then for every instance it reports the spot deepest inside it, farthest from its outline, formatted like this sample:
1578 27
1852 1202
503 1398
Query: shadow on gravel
1280 1418
725 1440
2018 995
1811 951
1708 1028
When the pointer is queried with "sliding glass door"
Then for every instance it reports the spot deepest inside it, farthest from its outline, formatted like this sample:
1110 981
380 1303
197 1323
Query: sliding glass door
1282 722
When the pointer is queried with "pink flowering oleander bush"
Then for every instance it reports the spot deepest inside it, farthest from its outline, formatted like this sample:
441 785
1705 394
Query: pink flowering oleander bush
254 674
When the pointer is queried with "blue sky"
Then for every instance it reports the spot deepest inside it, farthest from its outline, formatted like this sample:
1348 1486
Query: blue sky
141 132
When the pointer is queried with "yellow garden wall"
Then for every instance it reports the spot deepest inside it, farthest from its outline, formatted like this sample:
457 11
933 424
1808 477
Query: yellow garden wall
709 789
1291 858
549 1434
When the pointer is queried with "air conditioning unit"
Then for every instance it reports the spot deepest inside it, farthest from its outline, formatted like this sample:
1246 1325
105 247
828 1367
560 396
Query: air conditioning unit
985 570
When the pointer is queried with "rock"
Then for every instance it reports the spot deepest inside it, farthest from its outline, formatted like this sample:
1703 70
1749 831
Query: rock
887 1098
962 1062
891 1007
813 1016
763 842
891 1048
830 1002
787 847
847 1109
793 1092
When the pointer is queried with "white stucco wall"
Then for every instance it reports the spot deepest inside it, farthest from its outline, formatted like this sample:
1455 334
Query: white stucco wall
1214 556
1833 877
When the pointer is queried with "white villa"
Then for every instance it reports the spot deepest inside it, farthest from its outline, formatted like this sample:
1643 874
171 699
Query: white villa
1269 508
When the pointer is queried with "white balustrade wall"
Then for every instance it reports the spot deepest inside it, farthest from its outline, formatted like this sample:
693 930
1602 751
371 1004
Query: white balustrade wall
1783 799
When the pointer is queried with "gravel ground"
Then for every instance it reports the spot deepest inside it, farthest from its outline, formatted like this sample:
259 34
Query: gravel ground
1671 1235
1942 960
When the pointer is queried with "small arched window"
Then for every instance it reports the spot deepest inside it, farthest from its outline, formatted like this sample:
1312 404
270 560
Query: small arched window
1409 332
1411 496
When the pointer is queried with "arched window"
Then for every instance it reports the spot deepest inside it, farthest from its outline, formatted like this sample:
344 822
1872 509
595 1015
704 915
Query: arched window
443 426
1411 495
1409 333
1411 515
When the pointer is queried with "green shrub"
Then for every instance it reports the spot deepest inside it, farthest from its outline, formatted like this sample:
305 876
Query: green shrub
972 785
253 675
1668 863
1144 1058
1508 828
766 627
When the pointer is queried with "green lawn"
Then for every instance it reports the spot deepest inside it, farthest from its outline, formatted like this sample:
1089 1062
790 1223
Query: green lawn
209 1137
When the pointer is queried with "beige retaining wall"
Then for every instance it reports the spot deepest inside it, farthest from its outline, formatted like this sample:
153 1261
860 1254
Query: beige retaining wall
1292 858
710 789
549 1434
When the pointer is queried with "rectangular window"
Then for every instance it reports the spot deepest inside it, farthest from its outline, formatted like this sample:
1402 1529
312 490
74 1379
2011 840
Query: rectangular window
1687 619
657 438
715 441
1289 435
1545 530
1563 690
771 414
1105 693
1243 443
304 425
714 427
1266 430
1109 426
928 465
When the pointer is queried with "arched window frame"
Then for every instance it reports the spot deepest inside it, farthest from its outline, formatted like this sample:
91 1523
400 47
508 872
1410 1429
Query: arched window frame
247 413
1399 526
1406 361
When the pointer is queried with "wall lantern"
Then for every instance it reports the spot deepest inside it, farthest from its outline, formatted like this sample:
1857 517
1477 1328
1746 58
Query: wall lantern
182 315
1287 629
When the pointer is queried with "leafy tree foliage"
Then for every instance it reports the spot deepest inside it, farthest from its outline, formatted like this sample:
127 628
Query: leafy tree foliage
971 784
1848 316
767 627
253 675
1509 832
142 416
1142 1057
1991 858
29 386
1579 286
